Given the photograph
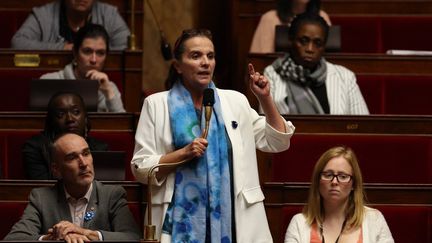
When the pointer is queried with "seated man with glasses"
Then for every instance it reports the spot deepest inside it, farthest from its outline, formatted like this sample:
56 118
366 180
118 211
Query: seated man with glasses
336 211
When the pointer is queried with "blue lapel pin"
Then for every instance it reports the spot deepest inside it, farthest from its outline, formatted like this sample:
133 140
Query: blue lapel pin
89 215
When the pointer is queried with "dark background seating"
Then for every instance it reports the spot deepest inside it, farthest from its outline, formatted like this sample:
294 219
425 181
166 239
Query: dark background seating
397 94
11 213
417 222
14 20
383 158
120 141
18 83
12 142
378 33
366 28
13 161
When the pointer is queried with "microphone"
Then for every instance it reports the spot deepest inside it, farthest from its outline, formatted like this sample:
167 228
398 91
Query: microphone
165 47
208 102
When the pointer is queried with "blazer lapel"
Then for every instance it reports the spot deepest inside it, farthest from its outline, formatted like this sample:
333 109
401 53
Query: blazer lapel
334 94
63 204
91 210
233 127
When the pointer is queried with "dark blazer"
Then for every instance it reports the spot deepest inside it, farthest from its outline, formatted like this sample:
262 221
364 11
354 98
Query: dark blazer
36 159
48 206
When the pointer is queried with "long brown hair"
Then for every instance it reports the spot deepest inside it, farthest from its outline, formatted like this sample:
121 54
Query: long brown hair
314 211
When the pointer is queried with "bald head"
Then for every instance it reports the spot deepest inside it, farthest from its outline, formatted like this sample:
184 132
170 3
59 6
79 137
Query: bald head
64 143
72 161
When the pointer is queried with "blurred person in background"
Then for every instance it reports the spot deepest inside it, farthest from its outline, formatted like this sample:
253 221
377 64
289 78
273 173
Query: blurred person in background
90 51
304 82
264 38
54 26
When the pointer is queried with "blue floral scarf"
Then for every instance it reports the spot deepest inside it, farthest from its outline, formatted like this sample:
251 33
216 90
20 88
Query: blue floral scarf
200 210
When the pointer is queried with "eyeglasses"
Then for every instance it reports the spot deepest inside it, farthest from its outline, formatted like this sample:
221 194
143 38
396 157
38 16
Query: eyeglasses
341 178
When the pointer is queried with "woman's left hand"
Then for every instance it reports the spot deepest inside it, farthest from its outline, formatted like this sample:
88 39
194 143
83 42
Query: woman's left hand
260 86
258 83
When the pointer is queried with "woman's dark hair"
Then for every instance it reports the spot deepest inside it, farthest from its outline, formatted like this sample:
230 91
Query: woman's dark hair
284 10
179 49
90 31
51 130
313 7
308 18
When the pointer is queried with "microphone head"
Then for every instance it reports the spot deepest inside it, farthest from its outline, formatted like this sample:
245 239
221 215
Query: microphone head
165 48
208 98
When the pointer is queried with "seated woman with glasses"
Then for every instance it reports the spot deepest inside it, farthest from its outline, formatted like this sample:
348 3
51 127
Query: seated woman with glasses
336 211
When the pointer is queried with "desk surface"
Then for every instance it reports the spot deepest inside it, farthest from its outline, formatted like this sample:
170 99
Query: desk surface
125 64
373 124
362 63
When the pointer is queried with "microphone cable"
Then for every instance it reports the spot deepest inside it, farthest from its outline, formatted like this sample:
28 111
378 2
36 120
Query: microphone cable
165 46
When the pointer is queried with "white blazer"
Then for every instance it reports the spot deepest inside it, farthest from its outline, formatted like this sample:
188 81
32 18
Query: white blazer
154 138
374 229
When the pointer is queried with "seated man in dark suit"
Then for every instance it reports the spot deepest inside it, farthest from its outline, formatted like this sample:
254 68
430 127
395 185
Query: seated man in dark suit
66 113
77 208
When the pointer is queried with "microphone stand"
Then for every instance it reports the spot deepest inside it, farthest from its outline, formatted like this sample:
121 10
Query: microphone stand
165 46
150 229
132 38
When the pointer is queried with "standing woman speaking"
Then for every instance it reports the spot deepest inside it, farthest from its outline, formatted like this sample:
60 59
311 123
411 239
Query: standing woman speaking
216 195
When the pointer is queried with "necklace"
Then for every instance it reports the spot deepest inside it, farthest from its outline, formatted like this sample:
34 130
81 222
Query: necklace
337 239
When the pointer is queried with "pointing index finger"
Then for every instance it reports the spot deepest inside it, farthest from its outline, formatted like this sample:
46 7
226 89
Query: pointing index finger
251 69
